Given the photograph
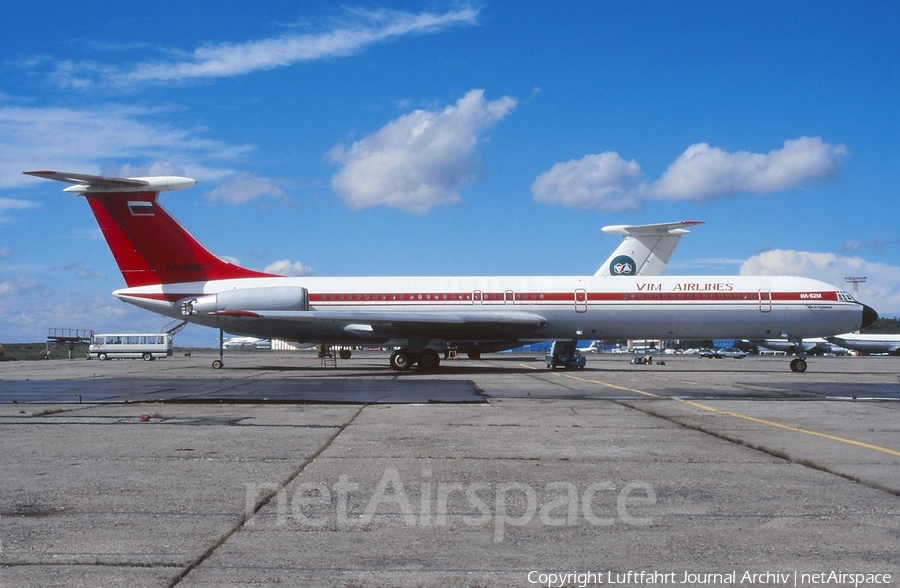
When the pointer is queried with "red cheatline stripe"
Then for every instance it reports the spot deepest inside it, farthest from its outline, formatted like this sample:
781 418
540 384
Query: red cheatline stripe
539 297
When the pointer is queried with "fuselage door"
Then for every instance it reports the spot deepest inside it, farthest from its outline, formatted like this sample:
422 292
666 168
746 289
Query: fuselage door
580 300
765 301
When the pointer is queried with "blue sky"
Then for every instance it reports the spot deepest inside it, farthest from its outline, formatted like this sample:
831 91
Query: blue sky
399 138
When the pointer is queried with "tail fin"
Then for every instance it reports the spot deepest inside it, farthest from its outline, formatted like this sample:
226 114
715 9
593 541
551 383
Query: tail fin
645 249
148 245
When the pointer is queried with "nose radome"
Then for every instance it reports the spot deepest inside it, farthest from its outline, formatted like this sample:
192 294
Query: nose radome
869 316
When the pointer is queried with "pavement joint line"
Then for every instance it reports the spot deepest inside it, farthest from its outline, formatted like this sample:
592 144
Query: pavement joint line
263 502
745 417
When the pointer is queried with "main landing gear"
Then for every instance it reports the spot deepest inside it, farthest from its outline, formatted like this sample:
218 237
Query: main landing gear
428 360
798 365
220 363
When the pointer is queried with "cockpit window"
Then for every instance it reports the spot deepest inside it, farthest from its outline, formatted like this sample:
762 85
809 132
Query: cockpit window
844 297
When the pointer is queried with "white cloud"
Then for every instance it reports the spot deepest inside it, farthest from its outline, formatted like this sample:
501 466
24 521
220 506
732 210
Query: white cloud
15 204
19 285
230 259
703 172
243 187
881 289
8 204
607 182
874 243
77 139
82 271
604 181
286 267
233 59
27 318
419 160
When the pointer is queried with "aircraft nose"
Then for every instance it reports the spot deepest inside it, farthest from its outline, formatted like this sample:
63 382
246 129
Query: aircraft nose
869 316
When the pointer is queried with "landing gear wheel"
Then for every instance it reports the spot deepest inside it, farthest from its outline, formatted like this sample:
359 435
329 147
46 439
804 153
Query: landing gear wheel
429 360
474 355
400 360
344 353
218 364
798 365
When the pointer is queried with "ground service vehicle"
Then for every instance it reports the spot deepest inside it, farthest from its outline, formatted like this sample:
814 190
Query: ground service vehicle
131 346
564 354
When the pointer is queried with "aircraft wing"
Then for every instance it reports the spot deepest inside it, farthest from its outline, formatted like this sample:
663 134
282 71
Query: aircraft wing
436 324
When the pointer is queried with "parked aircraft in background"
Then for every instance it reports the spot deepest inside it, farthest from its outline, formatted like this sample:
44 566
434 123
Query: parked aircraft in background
167 271
800 347
247 343
874 343
594 347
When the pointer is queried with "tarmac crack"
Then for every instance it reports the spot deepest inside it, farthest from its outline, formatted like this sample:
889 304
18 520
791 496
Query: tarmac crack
266 499
777 453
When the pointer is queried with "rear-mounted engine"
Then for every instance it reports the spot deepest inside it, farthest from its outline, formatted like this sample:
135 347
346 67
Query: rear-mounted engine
248 300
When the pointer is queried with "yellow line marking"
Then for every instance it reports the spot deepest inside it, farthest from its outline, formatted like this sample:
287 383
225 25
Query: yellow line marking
745 417
792 428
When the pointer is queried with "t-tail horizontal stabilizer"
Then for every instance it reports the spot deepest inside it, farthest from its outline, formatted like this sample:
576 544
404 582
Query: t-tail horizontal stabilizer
645 249
88 184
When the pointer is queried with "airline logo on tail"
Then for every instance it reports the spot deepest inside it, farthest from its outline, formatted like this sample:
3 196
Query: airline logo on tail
622 265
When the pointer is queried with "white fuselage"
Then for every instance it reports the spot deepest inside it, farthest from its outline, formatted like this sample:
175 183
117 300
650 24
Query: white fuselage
586 307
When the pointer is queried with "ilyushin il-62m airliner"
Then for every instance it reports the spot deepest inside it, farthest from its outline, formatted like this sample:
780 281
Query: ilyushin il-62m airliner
168 272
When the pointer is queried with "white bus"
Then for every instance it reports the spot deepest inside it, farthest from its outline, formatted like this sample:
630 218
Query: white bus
130 346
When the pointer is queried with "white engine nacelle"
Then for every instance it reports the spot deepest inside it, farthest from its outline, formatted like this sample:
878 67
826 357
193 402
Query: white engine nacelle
249 299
